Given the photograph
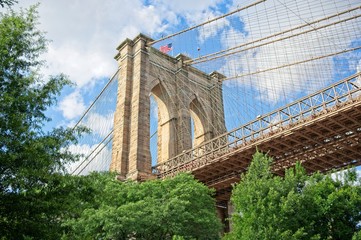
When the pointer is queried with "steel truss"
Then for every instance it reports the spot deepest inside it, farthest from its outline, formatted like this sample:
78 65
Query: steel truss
322 131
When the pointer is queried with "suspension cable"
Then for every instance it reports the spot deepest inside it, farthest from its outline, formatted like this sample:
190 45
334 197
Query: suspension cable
207 22
292 64
276 40
196 60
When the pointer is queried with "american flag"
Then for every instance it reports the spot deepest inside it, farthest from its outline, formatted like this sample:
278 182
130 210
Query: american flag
166 48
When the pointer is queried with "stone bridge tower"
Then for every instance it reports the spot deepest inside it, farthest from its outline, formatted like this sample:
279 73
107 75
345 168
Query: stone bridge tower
182 92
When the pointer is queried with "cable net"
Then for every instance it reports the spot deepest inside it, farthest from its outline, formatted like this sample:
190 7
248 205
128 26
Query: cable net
275 51
95 147
272 52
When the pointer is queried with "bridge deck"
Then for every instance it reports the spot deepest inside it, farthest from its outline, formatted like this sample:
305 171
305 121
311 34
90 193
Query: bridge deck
322 131
326 142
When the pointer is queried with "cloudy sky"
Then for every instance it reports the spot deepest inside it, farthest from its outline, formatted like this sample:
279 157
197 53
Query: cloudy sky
85 34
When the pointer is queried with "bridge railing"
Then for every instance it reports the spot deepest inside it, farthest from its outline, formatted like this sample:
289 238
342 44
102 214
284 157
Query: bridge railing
303 109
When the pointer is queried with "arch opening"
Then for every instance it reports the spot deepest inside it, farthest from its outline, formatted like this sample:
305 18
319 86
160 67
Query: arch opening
163 145
198 123
153 125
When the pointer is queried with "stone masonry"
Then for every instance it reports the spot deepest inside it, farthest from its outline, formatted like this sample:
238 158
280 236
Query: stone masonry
182 92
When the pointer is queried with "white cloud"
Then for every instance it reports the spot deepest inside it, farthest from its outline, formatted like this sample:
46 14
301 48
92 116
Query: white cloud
340 175
99 124
209 30
269 18
194 12
358 171
83 67
99 160
153 108
358 80
82 149
186 6
72 106
84 37
237 38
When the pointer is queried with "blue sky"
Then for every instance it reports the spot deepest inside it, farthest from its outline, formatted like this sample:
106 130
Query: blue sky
85 34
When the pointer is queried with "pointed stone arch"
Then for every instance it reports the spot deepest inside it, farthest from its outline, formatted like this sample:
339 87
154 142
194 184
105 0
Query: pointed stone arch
201 123
143 71
166 124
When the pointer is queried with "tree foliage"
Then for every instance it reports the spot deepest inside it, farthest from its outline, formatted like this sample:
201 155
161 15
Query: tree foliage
178 208
38 200
31 160
297 206
4 3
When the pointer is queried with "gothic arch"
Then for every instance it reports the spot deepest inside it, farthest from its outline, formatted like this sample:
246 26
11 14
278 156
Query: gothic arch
144 70
166 128
201 125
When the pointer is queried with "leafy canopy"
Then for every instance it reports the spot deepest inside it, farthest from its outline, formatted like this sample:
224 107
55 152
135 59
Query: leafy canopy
297 206
39 201
4 3
31 160
181 207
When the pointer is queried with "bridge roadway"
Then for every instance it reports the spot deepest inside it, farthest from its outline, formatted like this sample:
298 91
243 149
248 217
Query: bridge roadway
322 131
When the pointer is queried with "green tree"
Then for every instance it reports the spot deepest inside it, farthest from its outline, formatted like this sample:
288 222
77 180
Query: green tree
297 206
33 192
181 207
39 201
4 3
357 236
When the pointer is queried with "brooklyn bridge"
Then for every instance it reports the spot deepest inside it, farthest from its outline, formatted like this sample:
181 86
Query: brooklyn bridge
285 80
